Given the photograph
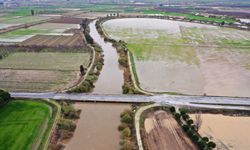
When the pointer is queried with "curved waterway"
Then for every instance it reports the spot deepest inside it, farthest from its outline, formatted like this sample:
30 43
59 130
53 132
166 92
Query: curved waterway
110 80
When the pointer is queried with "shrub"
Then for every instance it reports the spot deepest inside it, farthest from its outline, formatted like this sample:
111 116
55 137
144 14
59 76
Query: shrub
183 111
4 97
195 138
64 124
172 109
123 61
70 113
211 144
185 127
177 116
122 126
126 133
202 144
205 139
190 122
185 116
126 118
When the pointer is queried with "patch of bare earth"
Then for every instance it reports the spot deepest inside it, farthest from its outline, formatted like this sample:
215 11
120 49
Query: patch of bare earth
162 132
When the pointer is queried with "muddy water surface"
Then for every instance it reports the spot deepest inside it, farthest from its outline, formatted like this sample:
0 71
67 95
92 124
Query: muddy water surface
97 127
110 80
229 132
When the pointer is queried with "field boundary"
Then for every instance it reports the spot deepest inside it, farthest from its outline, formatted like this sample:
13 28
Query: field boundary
57 117
83 78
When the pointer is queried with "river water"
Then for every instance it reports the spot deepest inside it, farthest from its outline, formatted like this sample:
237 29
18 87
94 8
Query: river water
110 80
97 127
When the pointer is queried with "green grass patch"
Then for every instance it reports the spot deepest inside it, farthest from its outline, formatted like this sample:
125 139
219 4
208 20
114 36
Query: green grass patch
22 124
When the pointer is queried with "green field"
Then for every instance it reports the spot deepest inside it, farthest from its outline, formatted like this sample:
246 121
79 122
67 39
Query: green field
192 16
23 124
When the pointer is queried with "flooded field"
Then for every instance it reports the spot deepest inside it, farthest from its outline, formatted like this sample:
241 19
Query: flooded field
228 132
97 127
188 58
111 73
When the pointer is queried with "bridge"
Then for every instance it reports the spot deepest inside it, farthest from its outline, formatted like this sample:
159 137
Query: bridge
176 100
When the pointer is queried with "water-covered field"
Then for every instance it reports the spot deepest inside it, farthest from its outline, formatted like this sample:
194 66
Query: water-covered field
189 58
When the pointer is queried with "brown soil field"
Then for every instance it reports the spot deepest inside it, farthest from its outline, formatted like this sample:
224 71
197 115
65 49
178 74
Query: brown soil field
36 80
70 20
55 41
162 132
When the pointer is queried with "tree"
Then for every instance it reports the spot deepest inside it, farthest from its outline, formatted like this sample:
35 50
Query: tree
198 121
211 145
82 70
126 118
126 132
4 97
190 122
177 116
172 109
32 12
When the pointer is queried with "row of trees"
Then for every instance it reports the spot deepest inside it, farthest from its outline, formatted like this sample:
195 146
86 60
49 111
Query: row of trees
126 128
4 97
192 127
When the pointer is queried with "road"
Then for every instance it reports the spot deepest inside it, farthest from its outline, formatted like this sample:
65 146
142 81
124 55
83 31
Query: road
176 100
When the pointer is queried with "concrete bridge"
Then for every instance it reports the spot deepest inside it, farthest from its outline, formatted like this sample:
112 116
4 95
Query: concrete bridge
192 101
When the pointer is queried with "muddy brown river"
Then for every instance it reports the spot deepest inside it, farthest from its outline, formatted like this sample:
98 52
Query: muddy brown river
97 127
110 80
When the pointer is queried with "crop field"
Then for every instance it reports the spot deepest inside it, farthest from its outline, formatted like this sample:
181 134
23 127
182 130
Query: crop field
21 35
43 71
22 19
188 58
54 41
23 124
163 132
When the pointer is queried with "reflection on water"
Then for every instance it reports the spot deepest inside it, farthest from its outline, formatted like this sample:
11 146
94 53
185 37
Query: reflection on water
97 127
110 80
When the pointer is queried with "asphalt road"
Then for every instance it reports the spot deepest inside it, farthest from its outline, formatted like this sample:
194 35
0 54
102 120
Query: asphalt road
192 101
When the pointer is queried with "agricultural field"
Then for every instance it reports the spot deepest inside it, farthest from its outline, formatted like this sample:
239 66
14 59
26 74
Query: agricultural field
234 136
163 132
23 34
29 118
41 71
187 58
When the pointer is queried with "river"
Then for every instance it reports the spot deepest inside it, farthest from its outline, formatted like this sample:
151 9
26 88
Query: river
110 80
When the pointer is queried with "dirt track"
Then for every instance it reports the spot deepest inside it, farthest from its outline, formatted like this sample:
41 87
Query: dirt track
162 132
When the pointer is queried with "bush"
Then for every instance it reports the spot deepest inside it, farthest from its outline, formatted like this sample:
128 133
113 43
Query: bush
183 111
126 133
185 117
70 113
123 61
128 145
64 124
195 138
202 144
126 118
185 127
205 139
190 122
172 109
211 145
122 126
4 97
177 116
